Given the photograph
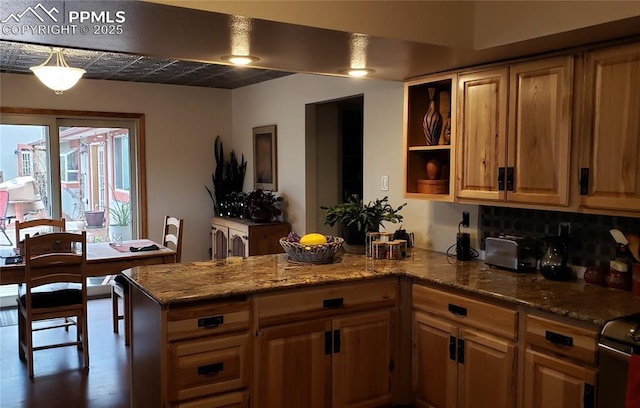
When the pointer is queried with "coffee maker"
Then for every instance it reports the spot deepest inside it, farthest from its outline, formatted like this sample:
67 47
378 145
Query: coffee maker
553 264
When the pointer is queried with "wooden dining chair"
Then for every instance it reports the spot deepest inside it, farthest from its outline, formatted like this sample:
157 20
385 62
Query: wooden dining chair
55 288
42 225
172 239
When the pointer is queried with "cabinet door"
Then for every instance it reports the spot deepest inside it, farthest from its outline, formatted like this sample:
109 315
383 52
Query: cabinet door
364 360
238 243
611 144
434 377
546 378
487 374
293 366
219 241
540 105
482 99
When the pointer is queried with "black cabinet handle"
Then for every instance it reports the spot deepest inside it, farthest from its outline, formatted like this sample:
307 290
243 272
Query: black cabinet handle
559 339
460 351
457 310
210 322
211 369
588 399
510 178
328 344
336 341
333 303
584 181
452 348
501 178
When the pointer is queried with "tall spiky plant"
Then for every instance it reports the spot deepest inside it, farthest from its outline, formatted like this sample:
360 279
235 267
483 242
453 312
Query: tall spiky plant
227 177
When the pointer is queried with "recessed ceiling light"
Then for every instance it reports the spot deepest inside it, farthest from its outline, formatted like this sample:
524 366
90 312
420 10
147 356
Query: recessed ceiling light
358 72
240 59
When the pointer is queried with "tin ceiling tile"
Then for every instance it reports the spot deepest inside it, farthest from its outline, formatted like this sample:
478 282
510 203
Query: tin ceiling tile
18 58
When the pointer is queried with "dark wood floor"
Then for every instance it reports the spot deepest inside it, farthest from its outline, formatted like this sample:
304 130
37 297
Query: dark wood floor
59 378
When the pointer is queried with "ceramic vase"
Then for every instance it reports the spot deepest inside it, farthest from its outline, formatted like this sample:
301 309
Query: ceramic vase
433 169
432 121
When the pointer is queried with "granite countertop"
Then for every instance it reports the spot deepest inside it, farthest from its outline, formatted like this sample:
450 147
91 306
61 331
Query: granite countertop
195 281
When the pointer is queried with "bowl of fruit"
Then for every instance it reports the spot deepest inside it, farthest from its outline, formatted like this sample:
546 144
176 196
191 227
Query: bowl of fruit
311 248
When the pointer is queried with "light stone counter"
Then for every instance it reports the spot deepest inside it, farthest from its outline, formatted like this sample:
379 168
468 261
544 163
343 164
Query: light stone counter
196 281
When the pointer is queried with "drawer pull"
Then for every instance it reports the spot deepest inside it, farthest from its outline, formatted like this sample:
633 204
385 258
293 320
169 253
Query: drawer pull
211 369
210 322
457 310
333 303
452 348
558 339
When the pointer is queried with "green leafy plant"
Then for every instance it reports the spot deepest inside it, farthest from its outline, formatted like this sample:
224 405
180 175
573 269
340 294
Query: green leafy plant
355 214
228 177
120 213
262 206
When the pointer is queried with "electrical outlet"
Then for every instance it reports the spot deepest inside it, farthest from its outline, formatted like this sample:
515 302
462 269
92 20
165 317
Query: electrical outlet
465 219
566 225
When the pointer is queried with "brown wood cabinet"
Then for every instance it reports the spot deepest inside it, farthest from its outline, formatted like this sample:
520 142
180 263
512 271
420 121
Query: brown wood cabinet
515 133
610 164
437 183
191 354
460 358
559 357
240 237
331 357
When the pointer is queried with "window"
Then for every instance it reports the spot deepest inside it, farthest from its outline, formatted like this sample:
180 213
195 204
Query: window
121 162
27 163
69 167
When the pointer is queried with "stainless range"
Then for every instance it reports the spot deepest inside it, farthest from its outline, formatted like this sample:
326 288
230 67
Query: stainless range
619 339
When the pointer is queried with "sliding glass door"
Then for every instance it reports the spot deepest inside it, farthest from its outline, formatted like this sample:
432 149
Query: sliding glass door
94 186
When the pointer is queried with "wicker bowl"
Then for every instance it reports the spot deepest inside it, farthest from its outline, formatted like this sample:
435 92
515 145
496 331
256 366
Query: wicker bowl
317 254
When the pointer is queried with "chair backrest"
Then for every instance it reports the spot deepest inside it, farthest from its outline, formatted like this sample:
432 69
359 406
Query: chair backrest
50 224
172 235
55 257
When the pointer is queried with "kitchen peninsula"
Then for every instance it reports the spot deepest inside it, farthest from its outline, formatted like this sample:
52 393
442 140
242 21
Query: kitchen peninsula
214 333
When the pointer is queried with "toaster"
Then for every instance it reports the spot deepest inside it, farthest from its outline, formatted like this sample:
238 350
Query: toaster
511 252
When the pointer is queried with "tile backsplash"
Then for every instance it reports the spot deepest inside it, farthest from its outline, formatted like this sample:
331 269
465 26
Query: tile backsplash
591 243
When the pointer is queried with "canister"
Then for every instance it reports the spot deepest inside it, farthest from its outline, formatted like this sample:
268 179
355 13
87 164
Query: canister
371 236
385 236
403 247
393 250
379 250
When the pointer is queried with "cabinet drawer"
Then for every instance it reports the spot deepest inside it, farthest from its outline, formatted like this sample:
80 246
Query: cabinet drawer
229 400
485 316
561 338
207 366
197 321
325 301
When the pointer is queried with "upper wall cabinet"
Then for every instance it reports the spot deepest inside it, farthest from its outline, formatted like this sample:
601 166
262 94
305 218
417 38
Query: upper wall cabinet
515 134
610 156
429 137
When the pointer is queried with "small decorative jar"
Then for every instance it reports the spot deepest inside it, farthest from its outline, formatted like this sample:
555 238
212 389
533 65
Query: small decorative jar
379 250
370 239
595 275
618 276
393 250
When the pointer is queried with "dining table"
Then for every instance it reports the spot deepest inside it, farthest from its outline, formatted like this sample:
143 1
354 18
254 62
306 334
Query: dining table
103 258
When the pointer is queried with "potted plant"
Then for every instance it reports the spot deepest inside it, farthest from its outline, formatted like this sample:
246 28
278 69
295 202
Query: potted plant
227 179
262 206
120 220
358 218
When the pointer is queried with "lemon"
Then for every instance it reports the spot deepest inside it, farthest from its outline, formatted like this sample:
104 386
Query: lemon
313 239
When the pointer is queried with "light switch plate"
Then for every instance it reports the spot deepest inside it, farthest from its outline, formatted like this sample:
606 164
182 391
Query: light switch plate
385 183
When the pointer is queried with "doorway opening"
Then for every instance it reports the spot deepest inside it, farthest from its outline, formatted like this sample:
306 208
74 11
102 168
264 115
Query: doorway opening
334 157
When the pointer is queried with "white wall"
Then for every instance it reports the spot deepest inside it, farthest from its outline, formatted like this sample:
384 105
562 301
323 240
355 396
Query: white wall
181 124
282 102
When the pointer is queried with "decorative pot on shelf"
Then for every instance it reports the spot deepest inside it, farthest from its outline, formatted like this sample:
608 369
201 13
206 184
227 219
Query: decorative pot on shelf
434 167
432 121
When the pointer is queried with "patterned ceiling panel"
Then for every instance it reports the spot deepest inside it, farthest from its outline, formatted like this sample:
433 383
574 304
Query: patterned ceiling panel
17 58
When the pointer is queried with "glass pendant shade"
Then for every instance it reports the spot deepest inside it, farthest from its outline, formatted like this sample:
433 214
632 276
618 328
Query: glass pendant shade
59 77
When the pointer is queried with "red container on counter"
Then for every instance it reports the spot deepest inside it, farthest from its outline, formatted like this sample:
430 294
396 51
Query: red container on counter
635 279
619 276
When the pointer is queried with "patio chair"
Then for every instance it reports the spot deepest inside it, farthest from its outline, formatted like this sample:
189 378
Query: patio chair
4 219
172 239
55 288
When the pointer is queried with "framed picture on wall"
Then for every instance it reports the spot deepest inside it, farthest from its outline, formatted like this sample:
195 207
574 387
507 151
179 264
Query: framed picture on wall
265 159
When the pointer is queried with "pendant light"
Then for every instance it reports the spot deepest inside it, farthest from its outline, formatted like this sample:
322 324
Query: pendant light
59 77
